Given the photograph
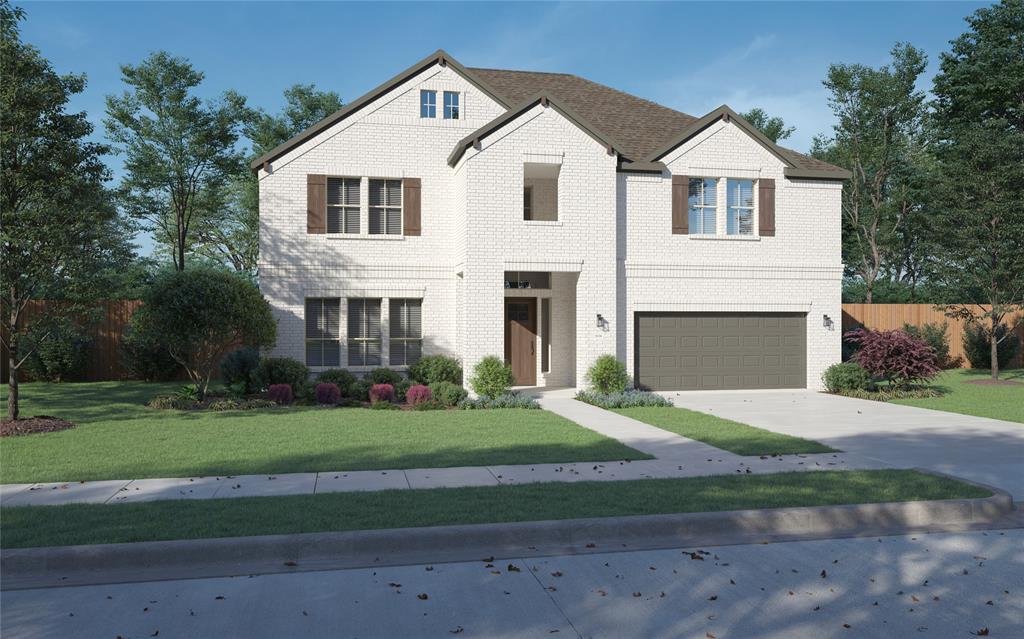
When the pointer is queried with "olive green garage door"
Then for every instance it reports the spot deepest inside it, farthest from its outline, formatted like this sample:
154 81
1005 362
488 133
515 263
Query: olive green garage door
710 351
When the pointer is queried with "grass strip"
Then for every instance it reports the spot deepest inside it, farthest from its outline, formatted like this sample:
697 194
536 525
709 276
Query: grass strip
723 433
30 526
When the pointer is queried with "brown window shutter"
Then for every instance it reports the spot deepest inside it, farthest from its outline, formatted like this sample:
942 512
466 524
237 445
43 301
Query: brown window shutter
766 207
411 206
316 203
680 215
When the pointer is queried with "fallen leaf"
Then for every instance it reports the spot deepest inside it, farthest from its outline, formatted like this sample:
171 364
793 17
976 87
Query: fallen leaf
824 574
982 632
846 625
513 568
636 594
422 596
556 574
713 598
290 563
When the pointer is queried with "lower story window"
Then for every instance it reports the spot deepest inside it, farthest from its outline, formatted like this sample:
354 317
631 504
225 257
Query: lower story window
405 331
364 332
323 326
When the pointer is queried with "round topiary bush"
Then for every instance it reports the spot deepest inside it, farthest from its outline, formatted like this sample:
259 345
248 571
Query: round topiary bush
384 376
491 377
436 368
447 393
608 375
418 394
280 394
845 377
339 377
238 368
280 370
327 394
382 393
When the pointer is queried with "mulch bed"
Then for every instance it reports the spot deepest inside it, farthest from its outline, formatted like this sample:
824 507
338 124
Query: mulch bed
30 425
994 382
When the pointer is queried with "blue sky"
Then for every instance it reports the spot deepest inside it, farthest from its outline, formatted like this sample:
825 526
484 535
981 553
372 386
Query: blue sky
689 56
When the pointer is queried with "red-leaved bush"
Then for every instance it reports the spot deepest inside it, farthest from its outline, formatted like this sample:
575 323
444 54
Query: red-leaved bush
894 355
418 394
280 393
327 393
382 393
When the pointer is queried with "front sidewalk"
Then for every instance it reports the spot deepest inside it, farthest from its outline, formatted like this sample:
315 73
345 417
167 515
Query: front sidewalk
675 457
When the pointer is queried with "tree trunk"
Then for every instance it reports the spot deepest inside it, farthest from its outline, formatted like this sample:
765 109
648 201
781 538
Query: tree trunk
994 351
12 384
868 288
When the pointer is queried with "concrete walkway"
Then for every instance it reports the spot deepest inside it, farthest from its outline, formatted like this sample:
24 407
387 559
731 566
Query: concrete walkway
675 457
989 451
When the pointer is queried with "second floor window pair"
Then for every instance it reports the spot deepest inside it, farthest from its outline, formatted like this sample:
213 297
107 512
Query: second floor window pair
703 206
343 206
450 106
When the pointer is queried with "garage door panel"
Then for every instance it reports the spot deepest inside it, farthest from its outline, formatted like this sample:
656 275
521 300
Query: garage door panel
692 351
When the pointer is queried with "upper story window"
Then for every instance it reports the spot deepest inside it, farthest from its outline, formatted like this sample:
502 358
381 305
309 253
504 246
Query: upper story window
540 191
385 207
342 205
428 104
740 212
451 105
703 202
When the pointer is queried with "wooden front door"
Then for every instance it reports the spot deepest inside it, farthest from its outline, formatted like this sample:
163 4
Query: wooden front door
521 339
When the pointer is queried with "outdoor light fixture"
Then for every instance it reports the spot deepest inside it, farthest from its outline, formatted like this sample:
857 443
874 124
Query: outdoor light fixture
826 321
600 321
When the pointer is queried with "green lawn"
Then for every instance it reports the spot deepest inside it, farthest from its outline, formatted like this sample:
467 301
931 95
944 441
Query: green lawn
723 433
119 438
997 402
26 526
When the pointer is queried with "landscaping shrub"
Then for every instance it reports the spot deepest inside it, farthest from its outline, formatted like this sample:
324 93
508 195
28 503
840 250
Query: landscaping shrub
166 402
238 368
436 368
401 388
201 314
979 350
418 394
280 393
625 399
360 390
935 333
327 394
447 393
608 375
281 370
504 400
384 376
189 393
339 377
491 377
847 376
894 356
59 348
431 404
886 393
382 393
145 356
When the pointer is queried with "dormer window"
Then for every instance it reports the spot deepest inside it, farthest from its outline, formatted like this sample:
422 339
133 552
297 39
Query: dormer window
428 104
451 105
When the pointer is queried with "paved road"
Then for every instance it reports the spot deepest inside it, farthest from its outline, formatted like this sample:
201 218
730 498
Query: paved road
940 585
986 450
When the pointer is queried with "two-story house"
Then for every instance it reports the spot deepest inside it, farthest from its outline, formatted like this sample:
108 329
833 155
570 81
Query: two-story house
547 219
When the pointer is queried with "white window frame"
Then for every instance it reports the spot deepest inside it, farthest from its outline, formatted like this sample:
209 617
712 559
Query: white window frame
321 341
703 207
452 110
431 106
393 328
342 209
752 209
388 207
364 340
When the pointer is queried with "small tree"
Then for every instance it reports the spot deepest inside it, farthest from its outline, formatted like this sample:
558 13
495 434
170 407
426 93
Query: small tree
608 375
894 356
201 315
491 377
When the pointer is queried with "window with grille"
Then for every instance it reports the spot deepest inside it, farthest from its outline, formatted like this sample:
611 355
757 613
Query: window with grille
323 332
451 105
364 332
385 207
703 202
740 203
405 339
428 104
342 205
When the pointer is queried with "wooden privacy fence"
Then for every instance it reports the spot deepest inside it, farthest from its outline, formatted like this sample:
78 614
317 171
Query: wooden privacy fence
104 359
889 317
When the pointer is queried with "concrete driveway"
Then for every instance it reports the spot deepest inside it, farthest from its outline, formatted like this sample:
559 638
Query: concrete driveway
990 451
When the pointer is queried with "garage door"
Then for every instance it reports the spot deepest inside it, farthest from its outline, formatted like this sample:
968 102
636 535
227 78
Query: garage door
709 351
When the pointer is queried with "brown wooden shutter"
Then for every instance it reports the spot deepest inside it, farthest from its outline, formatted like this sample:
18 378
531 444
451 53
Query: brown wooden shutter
680 215
411 206
316 203
766 207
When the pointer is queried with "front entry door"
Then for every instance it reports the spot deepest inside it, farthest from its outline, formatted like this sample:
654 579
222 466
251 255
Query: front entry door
521 339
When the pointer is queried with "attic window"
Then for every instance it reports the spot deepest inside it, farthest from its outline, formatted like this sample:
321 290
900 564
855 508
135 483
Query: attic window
451 105
540 191
428 104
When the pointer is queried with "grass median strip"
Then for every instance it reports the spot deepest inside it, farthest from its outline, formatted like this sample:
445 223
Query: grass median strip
118 437
30 526
723 433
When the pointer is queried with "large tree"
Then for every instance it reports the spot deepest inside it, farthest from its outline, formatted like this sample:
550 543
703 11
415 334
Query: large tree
773 127
58 229
879 115
979 128
230 235
180 151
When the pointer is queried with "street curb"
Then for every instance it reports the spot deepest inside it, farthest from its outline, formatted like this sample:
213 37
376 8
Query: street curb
149 561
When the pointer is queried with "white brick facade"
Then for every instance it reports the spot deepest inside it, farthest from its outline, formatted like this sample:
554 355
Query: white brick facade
611 251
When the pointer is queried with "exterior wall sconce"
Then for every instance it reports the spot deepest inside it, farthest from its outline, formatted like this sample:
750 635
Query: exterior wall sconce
827 322
602 322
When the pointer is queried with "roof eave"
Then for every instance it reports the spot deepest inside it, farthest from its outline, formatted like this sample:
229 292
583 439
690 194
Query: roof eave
818 174
438 57
642 167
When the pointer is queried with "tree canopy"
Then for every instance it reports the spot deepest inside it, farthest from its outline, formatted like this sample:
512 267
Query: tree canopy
773 127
